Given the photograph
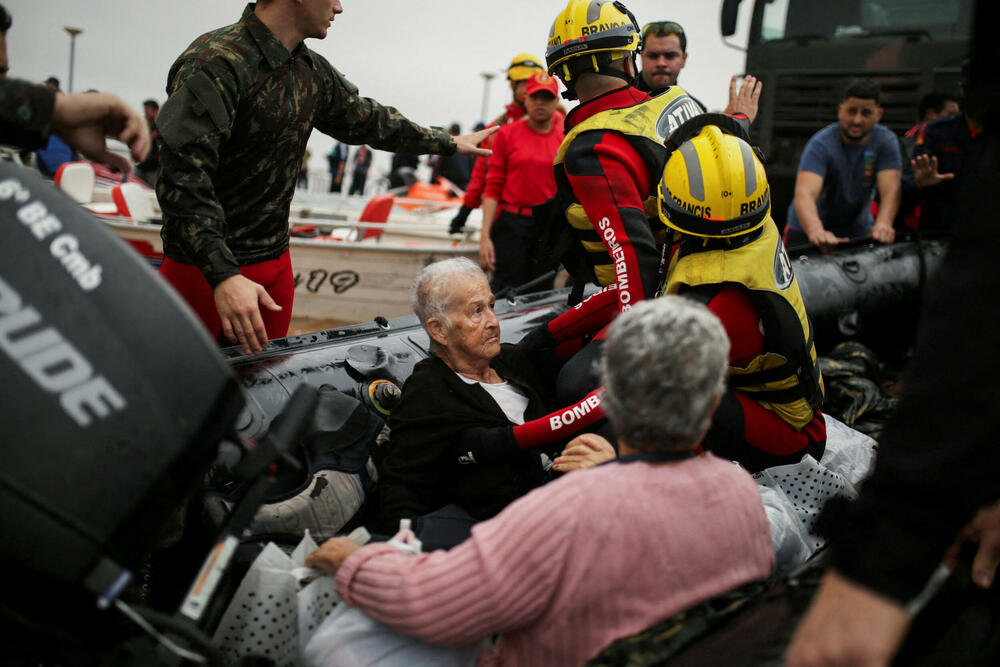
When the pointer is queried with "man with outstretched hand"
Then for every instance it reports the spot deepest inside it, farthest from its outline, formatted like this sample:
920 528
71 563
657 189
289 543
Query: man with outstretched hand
242 103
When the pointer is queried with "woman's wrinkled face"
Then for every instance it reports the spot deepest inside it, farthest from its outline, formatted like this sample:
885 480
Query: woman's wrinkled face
474 334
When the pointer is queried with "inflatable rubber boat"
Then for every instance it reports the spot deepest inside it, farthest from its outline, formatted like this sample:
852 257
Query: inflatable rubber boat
116 405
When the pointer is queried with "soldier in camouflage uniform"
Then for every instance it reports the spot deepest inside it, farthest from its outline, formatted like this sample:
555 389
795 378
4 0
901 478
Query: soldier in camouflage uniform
242 102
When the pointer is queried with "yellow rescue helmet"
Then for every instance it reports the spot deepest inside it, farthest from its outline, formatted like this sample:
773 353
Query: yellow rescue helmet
714 184
589 34
522 66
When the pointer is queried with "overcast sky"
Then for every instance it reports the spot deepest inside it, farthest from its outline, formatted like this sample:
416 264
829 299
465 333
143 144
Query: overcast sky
425 58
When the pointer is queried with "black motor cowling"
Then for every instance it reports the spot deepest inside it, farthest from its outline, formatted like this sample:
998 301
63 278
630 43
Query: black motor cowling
112 403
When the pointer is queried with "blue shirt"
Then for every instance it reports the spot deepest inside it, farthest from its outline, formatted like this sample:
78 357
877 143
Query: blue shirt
55 153
849 177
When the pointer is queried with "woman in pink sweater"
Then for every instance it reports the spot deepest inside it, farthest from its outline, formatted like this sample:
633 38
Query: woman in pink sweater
598 554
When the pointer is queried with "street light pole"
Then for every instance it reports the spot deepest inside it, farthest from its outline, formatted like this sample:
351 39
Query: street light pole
73 32
487 77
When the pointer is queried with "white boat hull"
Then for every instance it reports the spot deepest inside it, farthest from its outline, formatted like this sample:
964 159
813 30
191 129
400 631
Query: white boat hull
349 282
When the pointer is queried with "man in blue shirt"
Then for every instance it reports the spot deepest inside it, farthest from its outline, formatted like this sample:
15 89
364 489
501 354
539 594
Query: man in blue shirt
841 167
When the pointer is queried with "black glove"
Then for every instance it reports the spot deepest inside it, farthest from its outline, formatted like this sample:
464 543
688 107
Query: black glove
538 339
458 222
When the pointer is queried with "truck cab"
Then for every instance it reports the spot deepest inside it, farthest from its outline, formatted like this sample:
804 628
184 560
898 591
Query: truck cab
805 52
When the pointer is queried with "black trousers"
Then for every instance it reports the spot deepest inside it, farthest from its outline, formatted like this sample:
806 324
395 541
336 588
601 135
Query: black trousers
514 239
358 184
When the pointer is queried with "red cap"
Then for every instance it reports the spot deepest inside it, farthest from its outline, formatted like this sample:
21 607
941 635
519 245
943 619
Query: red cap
542 81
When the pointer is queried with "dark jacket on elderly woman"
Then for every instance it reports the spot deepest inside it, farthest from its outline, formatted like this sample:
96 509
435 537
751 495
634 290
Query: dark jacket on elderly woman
422 469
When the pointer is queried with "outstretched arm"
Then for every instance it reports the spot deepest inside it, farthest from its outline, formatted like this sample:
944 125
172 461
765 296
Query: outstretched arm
30 112
848 624
584 451
925 171
807 188
889 182
468 144
503 577
744 96
495 444
84 120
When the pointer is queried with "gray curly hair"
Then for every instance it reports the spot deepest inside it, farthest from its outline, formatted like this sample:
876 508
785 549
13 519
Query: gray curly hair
664 365
430 296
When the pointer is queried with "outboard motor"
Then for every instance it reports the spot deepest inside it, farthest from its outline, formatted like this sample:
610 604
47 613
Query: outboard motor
113 400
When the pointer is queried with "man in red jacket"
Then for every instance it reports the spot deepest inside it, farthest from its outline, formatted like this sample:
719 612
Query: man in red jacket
607 170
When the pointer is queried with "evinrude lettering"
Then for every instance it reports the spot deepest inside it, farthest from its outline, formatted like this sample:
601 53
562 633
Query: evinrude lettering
52 362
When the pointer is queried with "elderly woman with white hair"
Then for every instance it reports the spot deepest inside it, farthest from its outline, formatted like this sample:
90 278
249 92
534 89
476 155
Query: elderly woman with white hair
473 419
601 553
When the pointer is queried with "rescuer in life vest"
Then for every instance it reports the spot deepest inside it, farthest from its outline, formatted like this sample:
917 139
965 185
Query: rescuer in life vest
607 170
730 257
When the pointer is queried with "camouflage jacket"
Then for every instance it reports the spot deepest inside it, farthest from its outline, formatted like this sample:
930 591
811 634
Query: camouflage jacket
25 113
232 135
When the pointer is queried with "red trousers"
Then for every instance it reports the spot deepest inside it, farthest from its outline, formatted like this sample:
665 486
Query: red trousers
275 275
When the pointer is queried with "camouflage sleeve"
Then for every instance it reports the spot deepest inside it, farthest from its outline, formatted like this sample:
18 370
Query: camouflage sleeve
25 113
354 119
192 125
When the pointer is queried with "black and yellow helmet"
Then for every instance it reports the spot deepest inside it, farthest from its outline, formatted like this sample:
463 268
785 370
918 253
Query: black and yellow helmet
522 66
714 184
588 35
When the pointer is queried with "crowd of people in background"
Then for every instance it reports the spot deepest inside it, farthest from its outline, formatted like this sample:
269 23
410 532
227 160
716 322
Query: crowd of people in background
856 179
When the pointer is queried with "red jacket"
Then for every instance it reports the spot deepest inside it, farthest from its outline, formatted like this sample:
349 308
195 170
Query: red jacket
474 192
519 173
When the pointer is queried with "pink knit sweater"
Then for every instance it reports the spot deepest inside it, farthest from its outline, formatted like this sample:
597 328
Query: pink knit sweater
564 571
